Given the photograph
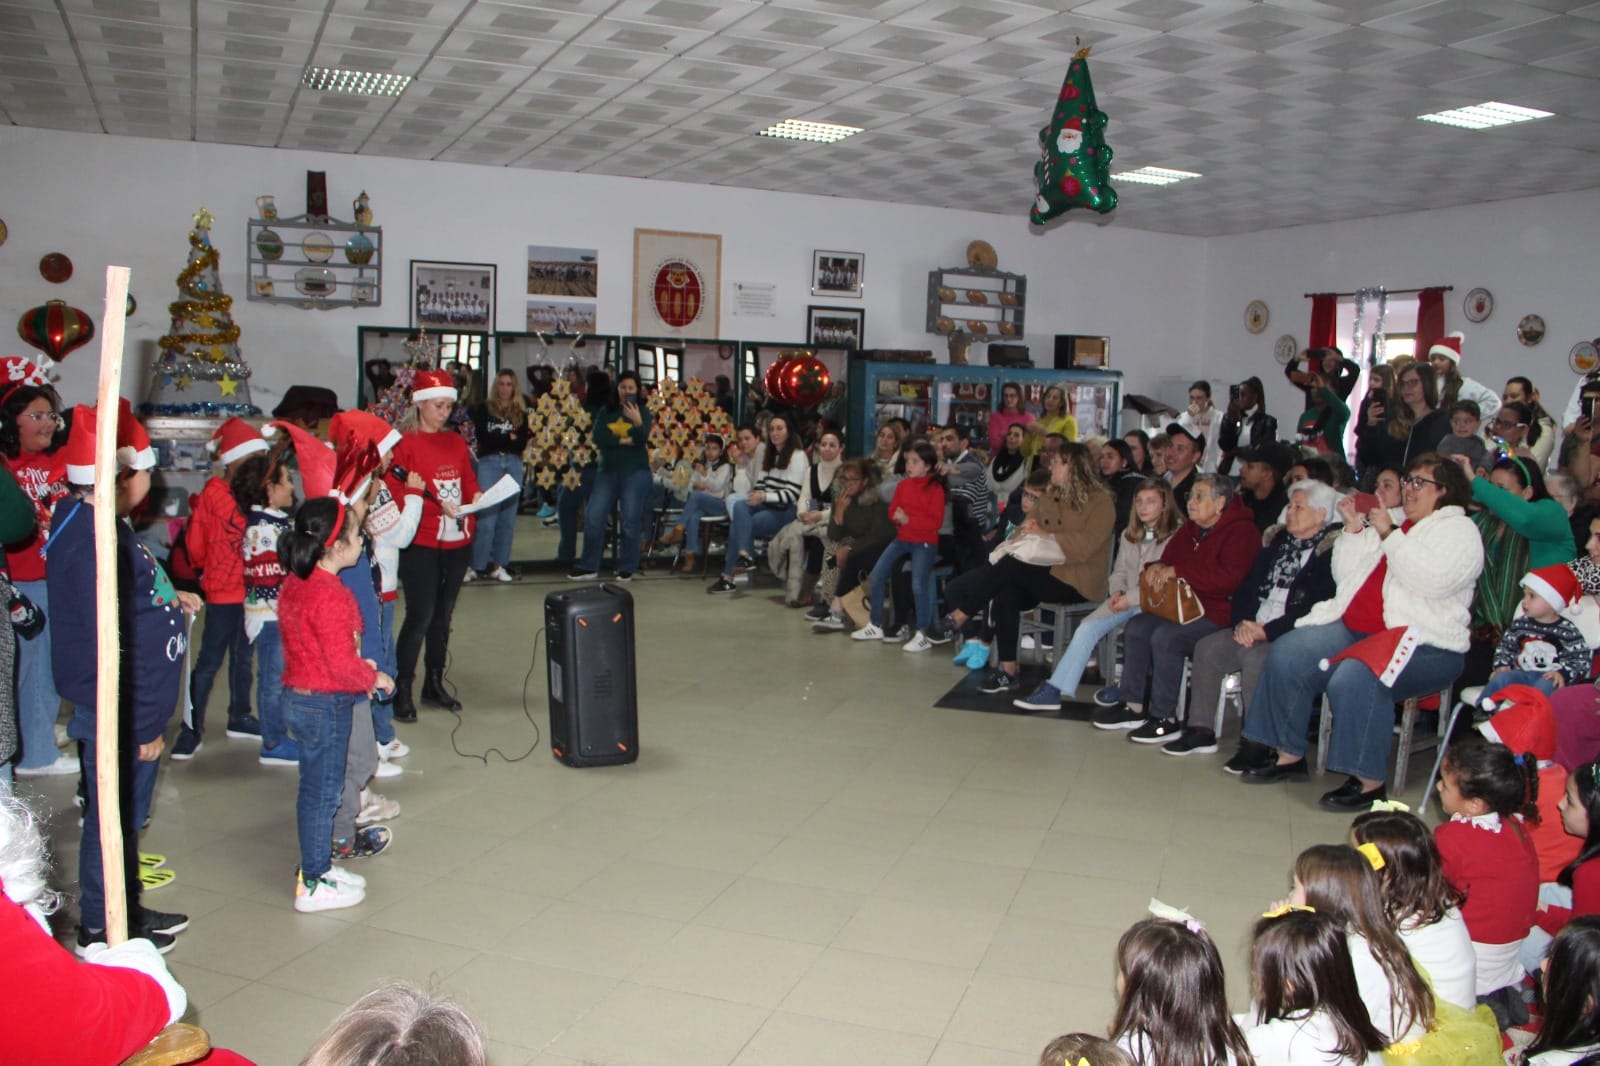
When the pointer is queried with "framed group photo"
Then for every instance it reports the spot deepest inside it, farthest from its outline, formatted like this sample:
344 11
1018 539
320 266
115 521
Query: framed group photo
452 296
835 327
837 274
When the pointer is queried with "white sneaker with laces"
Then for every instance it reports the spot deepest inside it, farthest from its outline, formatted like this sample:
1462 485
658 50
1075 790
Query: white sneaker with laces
376 808
919 642
499 574
325 894
867 632
469 577
395 749
388 769
344 877
62 767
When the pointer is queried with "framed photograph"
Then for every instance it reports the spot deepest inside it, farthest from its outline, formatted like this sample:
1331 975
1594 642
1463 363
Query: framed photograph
560 316
677 284
835 327
563 271
837 274
452 296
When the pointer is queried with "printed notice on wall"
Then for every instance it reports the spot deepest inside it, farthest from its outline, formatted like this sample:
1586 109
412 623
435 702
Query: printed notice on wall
752 299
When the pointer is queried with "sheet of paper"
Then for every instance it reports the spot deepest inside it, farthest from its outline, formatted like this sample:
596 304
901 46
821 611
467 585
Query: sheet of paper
501 490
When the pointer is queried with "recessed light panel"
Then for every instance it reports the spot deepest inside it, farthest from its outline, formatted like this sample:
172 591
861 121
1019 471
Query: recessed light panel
1485 116
1155 176
794 129
354 82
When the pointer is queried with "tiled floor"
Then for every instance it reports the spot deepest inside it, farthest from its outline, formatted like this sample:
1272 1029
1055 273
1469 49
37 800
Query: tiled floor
807 864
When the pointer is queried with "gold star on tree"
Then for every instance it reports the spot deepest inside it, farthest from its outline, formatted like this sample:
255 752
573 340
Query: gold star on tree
184 381
228 386
204 219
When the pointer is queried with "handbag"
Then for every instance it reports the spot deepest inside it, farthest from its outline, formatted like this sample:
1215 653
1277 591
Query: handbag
1176 602
856 606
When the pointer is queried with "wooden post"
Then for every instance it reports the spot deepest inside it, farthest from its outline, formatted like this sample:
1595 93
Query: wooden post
108 663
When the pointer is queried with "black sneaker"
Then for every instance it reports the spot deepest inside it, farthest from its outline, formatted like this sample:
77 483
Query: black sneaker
744 564
1249 756
161 922
1118 717
833 623
939 633
578 573
89 937
244 727
624 576
187 746
997 680
818 611
897 636
1156 731
1194 740
723 585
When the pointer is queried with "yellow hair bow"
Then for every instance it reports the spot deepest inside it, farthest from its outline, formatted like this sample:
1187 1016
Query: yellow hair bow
1279 912
1389 806
1374 856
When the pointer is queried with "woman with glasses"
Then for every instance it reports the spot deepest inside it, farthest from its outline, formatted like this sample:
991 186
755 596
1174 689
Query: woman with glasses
1412 579
30 432
1397 431
1540 432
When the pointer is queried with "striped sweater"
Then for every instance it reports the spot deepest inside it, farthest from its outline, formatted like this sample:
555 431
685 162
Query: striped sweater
780 486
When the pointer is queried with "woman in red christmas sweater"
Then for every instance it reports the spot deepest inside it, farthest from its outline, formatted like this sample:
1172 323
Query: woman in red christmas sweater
432 567
918 510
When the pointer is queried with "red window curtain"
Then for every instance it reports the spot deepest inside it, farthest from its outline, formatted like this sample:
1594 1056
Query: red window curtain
1430 319
1322 327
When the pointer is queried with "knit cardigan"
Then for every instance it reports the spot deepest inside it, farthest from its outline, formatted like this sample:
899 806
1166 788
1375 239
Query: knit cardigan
1084 536
1433 569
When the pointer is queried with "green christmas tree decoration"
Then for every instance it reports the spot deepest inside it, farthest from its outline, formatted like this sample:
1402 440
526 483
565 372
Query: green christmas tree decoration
1074 167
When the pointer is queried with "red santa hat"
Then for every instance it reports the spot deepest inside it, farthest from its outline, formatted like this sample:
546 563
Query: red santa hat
432 385
133 444
1557 585
18 371
1448 346
324 471
235 439
1525 723
1386 654
364 426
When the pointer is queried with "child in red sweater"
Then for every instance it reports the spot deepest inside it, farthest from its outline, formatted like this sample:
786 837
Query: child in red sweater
324 676
1576 890
214 538
917 508
1488 856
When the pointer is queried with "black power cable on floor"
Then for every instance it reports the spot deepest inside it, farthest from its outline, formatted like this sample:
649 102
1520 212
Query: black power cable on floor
526 712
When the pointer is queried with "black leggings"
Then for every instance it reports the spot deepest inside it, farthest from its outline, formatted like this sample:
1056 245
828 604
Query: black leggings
431 578
1006 589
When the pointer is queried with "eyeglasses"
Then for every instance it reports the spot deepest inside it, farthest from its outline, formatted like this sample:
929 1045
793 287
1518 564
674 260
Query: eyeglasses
1509 423
44 416
1414 482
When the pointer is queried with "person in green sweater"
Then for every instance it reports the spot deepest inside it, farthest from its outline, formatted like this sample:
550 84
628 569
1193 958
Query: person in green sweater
1326 415
858 530
621 434
16 523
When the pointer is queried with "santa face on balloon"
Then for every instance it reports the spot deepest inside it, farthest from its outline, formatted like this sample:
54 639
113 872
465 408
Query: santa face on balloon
1070 139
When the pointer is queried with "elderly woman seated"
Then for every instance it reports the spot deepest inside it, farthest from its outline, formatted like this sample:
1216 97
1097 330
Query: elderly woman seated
1293 572
1212 552
1411 580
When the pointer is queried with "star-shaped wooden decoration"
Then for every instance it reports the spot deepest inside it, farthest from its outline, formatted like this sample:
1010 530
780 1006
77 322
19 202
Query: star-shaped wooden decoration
228 386
184 381
204 219
561 387
582 457
572 480
545 478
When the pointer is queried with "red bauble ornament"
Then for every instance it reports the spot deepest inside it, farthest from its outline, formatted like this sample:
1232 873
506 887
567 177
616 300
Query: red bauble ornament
56 329
775 381
806 381
1070 185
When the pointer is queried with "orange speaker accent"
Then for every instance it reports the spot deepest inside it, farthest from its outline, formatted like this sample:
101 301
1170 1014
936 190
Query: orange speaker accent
584 622
616 617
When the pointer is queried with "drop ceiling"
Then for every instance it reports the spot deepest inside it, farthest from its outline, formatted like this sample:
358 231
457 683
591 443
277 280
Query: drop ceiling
1295 111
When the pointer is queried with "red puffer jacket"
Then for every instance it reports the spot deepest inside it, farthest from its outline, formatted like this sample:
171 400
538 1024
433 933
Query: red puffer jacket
1213 561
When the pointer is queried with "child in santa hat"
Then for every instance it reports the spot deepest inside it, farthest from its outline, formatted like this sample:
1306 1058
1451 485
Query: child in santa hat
215 541
1542 647
1525 723
153 643
1445 357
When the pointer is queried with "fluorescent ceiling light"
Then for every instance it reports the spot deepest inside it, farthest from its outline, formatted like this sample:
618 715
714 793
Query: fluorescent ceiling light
1486 115
354 82
794 129
1155 176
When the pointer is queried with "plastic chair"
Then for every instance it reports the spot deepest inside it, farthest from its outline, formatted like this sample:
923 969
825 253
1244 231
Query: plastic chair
1232 692
1408 745
1067 617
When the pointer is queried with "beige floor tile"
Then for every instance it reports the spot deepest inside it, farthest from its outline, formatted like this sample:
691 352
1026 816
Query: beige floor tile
266 1024
520 865
939 882
639 1026
510 1055
204 987
797 1040
1225 872
1085 812
459 913
1261 834
951 838
1022 1016
524 1005
250 940
874 990
575 826
588 939
1100 856
723 964
805 913
673 892
880 831
919 932
703 847
1091 900
1007 809
824 864
1058 950
360 958
435 848
897 794
751 810
955 1053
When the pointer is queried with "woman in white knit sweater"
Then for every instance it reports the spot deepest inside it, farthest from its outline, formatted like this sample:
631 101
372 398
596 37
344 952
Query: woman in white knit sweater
1418 575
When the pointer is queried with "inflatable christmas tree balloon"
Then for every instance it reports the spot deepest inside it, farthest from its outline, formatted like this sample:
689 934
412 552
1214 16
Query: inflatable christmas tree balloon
200 373
1074 168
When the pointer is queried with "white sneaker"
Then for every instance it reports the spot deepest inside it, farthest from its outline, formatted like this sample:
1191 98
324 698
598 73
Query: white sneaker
395 749
326 893
867 632
388 769
376 808
64 765
499 574
469 577
62 740
339 875
918 642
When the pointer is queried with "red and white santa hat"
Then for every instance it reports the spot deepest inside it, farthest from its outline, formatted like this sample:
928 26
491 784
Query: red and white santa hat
432 385
235 439
1448 346
133 443
1385 653
364 426
325 471
1525 722
1556 585
17 371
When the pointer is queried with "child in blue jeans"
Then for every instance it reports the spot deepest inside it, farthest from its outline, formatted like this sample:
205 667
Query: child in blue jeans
1542 647
917 508
265 492
324 677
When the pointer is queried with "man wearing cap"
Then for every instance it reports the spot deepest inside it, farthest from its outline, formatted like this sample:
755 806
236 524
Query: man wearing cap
1261 481
1183 461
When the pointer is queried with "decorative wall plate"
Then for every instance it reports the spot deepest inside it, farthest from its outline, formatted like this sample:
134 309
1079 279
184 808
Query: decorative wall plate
364 291
3 231
269 245
981 254
359 249
55 268
1284 349
1255 316
317 247
1530 330
1584 357
315 281
133 305
1478 305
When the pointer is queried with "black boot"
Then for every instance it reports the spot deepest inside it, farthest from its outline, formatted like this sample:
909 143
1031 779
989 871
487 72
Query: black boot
434 692
404 709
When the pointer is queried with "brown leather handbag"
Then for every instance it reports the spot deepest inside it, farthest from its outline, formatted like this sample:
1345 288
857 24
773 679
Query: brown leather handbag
1176 602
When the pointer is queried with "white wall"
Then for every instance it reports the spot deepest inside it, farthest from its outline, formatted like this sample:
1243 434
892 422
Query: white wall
1536 256
102 199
